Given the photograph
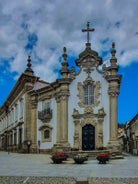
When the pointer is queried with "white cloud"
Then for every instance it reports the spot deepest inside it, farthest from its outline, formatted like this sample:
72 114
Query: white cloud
58 24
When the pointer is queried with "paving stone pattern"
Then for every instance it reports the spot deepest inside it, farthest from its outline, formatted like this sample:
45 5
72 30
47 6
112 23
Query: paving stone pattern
64 180
39 169
36 180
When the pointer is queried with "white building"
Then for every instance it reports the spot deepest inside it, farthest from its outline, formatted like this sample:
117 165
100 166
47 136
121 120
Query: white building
77 111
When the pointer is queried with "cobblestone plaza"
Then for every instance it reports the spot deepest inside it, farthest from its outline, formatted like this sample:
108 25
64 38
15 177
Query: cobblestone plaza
38 168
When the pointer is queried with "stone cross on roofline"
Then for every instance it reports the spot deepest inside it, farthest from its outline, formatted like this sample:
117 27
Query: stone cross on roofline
88 30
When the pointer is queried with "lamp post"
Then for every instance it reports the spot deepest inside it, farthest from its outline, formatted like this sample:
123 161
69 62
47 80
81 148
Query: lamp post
28 145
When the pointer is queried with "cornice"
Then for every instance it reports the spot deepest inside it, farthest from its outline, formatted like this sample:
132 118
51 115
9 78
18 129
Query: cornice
111 78
64 81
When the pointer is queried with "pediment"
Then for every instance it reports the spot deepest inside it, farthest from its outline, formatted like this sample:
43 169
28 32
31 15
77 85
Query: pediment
45 126
89 55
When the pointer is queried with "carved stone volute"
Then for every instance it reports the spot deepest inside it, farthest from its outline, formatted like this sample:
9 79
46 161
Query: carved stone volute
34 101
101 113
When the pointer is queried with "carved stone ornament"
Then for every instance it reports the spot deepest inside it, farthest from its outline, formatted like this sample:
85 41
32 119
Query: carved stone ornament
88 121
88 64
113 92
96 92
75 112
101 113
62 96
34 101
88 110
72 73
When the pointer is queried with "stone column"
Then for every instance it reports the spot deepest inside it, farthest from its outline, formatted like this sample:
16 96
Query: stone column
62 123
114 144
27 118
58 121
64 119
113 113
33 123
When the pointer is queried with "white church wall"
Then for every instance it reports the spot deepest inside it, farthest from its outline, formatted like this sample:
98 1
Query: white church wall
74 99
73 103
105 104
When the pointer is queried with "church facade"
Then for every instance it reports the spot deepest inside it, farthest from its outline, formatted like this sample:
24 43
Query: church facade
77 111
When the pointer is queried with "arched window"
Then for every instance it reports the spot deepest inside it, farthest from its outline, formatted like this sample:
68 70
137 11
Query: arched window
46 134
88 94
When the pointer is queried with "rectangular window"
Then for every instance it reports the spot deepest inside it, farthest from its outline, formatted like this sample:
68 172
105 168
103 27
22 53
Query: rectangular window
88 94
46 134
21 109
46 105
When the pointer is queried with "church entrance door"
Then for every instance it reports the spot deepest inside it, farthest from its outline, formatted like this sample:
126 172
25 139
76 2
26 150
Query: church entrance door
88 137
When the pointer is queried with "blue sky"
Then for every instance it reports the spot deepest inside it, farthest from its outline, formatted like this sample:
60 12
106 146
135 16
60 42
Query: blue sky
43 28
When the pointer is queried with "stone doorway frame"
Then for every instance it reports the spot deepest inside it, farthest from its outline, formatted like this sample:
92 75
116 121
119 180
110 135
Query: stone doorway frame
92 128
89 117
92 122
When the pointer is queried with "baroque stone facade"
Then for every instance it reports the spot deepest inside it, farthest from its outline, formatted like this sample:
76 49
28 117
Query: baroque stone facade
77 111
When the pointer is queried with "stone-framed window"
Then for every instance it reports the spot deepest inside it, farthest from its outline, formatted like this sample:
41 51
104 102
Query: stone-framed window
88 94
46 133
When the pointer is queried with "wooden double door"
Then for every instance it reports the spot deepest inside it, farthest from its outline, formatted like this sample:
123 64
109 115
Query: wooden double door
88 137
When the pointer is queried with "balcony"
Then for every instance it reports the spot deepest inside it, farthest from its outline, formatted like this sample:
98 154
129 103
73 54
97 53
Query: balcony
45 115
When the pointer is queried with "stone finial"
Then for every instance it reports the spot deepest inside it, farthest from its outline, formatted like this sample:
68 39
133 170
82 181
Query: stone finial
113 61
64 70
29 62
29 70
113 51
64 55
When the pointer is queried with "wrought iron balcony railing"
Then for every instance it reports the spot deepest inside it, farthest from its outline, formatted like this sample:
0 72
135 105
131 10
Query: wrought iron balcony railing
45 114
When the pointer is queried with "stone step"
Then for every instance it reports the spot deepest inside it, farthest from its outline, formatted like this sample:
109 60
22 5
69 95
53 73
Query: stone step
91 154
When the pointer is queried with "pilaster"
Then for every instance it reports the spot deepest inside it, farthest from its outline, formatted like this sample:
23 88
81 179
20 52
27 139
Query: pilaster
62 120
58 120
76 133
33 123
27 118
